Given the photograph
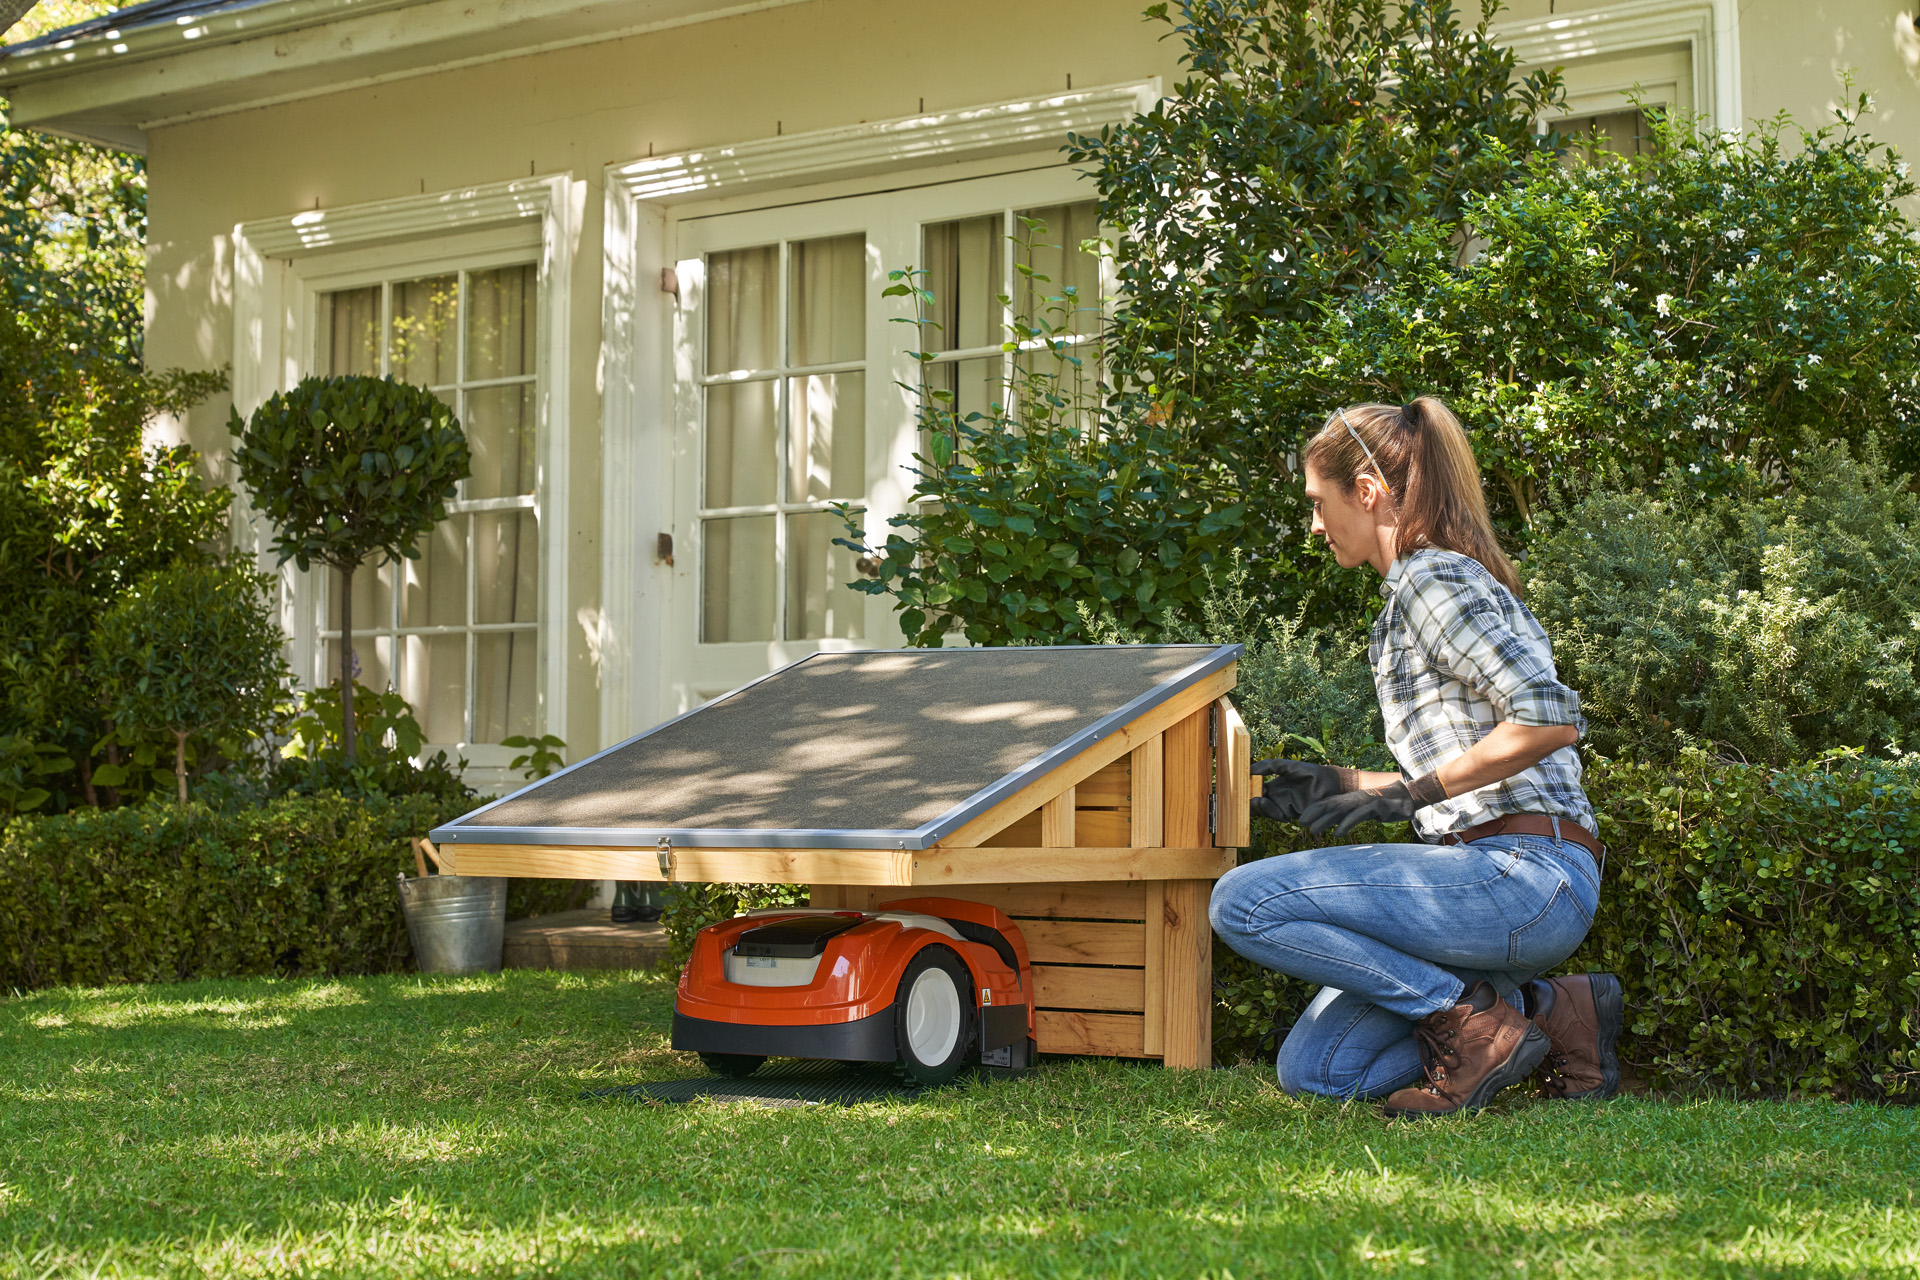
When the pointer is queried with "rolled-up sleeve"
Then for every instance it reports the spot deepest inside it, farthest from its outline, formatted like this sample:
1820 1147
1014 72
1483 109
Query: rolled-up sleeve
1465 633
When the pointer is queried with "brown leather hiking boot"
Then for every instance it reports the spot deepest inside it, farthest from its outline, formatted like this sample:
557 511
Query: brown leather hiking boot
1470 1052
1581 1015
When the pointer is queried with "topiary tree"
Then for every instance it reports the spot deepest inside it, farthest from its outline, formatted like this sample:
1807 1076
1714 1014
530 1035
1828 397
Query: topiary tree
193 651
347 467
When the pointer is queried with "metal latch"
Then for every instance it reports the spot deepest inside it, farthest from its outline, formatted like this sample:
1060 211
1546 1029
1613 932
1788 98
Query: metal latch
664 852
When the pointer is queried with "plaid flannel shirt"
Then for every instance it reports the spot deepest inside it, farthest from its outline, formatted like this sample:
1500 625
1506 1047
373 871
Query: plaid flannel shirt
1453 654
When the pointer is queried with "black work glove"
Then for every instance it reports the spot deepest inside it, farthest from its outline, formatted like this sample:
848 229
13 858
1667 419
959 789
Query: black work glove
1395 802
1292 785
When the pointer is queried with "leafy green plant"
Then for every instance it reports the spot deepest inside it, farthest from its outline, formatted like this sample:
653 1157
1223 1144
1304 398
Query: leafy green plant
539 756
193 651
1713 303
347 468
1766 626
1045 503
384 725
1269 181
23 764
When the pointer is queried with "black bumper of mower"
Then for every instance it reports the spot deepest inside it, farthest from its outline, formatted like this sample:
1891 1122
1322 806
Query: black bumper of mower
863 1040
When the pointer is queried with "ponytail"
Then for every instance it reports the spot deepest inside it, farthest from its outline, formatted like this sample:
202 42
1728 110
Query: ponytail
1421 453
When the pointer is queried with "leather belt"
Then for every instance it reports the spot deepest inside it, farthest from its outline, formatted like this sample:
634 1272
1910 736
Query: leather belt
1528 824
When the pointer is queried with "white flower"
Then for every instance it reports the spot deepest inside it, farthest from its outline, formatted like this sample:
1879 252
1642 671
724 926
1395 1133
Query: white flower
1736 234
1814 359
1664 304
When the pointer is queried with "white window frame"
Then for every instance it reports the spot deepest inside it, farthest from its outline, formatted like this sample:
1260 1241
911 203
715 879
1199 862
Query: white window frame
1709 30
648 365
283 265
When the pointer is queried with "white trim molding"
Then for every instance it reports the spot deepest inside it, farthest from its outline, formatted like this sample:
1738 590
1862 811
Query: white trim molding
637 374
976 132
1709 28
280 265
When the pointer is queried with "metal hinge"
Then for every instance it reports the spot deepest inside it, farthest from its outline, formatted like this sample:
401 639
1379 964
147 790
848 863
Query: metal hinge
1213 812
1213 725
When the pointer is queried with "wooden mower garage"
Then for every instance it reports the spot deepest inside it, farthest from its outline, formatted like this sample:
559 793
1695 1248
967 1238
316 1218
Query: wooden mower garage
1093 794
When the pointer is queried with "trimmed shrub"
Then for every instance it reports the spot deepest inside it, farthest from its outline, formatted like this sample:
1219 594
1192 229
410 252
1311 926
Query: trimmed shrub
1765 923
162 893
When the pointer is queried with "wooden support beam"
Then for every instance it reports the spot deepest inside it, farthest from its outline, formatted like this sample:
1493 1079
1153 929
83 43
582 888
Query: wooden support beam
1149 773
1074 987
1118 1035
1189 780
1234 821
1186 969
994 866
1056 821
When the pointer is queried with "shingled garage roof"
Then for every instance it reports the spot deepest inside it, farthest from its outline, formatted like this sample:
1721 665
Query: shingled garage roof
869 750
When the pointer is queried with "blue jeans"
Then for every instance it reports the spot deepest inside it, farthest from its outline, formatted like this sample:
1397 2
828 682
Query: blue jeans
1394 932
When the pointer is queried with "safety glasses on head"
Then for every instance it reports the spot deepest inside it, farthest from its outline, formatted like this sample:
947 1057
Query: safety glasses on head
1373 461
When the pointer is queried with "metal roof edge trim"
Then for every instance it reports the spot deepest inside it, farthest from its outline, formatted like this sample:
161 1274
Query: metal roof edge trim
831 838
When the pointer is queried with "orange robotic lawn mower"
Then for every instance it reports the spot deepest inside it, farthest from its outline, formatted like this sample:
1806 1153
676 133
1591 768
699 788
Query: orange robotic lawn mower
928 984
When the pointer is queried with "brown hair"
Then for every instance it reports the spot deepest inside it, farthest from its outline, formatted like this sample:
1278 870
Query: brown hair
1434 483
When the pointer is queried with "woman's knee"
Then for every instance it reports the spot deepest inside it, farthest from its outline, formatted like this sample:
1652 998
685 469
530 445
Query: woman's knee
1244 890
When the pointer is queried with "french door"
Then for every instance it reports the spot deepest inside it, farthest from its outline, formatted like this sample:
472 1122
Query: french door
793 392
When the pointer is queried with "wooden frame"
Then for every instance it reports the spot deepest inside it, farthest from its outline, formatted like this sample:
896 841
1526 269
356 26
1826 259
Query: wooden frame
1106 862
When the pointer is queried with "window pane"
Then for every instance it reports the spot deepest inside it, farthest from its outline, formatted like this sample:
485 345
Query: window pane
819 602
1622 133
500 432
372 598
743 448
827 300
373 658
506 567
434 683
977 386
1068 297
826 437
435 590
742 309
504 676
966 272
353 332
501 320
736 592
423 331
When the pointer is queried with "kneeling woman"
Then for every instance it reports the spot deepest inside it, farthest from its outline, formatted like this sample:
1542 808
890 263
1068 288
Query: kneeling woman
1428 953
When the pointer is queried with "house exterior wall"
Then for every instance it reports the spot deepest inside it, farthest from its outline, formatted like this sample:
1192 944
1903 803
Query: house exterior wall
777 72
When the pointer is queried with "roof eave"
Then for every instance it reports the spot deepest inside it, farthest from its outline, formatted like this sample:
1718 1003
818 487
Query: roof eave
114 85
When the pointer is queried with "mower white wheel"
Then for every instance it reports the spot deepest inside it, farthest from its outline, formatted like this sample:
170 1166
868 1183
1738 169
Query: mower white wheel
933 1016
933 1024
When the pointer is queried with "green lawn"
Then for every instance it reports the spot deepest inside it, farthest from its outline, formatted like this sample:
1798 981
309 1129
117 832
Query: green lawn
429 1126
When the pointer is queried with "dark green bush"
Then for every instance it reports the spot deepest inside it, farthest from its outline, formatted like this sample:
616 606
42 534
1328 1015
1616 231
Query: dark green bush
1769 627
1765 922
692 907
163 893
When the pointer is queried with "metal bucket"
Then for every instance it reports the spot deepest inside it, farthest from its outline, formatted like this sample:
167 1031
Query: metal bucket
456 922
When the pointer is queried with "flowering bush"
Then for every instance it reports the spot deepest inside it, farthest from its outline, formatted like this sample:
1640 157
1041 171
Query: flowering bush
1716 303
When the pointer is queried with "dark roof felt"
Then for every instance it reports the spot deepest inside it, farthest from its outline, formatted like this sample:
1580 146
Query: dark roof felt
868 742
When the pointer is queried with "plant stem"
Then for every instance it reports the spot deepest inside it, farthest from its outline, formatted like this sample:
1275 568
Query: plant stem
346 661
180 763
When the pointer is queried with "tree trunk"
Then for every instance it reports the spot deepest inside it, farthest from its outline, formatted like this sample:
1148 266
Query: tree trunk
180 764
86 779
346 661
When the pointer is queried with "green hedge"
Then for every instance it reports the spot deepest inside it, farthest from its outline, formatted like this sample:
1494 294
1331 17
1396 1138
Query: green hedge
301 885
1765 924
